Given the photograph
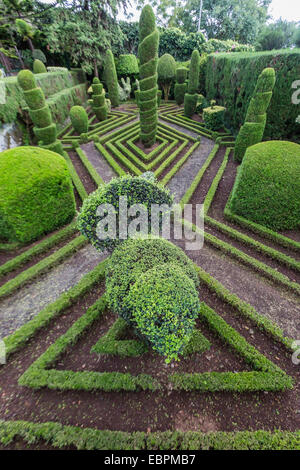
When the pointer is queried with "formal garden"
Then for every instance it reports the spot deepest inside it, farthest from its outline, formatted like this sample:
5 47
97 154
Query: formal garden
138 342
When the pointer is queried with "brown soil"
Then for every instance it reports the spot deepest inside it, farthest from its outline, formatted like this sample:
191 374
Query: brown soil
133 411
88 182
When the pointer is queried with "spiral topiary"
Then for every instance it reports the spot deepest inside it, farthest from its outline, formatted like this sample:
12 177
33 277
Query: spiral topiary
253 129
180 85
111 79
44 128
148 56
191 97
98 97
79 119
39 67
152 284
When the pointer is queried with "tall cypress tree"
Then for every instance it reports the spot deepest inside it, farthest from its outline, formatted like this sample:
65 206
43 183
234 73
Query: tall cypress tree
148 55
191 97
111 79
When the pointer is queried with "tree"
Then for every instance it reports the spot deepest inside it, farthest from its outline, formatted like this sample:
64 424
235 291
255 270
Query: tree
191 97
111 78
223 19
166 69
130 40
277 35
148 52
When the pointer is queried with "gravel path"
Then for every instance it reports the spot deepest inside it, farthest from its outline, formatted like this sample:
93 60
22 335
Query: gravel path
24 304
182 180
98 161
181 129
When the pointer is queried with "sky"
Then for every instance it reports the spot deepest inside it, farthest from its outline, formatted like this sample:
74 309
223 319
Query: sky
286 9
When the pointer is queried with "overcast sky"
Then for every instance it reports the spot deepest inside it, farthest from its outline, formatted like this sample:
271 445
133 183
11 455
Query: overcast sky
287 9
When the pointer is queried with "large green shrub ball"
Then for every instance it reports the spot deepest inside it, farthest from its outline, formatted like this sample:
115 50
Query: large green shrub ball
79 119
135 257
164 305
36 193
267 187
127 65
138 190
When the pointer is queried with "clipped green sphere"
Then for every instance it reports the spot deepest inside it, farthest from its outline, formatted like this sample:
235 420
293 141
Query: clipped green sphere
267 187
79 119
39 67
36 193
26 80
166 68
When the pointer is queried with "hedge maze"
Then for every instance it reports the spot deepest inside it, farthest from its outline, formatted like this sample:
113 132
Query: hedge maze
234 386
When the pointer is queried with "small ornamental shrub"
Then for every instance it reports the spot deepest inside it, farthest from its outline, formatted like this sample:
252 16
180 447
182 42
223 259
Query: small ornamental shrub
201 104
166 70
147 97
36 193
44 129
180 85
267 187
111 78
38 54
253 129
135 257
213 117
191 97
79 119
127 66
138 190
39 67
99 104
164 305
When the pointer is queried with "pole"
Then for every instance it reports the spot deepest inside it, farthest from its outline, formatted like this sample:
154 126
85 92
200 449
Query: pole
200 14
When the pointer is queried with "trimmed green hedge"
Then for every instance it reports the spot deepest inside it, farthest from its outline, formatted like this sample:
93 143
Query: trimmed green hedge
36 193
267 187
213 117
111 78
231 80
191 97
39 67
79 119
127 66
60 436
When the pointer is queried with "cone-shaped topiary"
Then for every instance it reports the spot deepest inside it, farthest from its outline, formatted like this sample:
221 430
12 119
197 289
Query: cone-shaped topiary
39 67
111 79
36 193
253 129
44 128
166 69
148 53
79 119
180 85
99 104
191 97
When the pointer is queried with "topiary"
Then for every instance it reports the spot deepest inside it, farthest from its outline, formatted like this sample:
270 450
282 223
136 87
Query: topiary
79 119
213 117
201 104
99 104
164 305
180 85
127 66
166 69
36 193
252 130
148 50
148 278
138 190
191 97
39 67
111 79
159 93
267 187
44 129
202 73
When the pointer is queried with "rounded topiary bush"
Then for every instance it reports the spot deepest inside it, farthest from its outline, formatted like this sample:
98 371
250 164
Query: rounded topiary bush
39 67
267 187
151 284
36 193
138 190
127 66
166 69
164 305
79 119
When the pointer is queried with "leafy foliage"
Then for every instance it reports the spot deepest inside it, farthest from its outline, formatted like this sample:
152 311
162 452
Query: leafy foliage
138 190
191 97
79 119
166 69
267 188
36 194
111 78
